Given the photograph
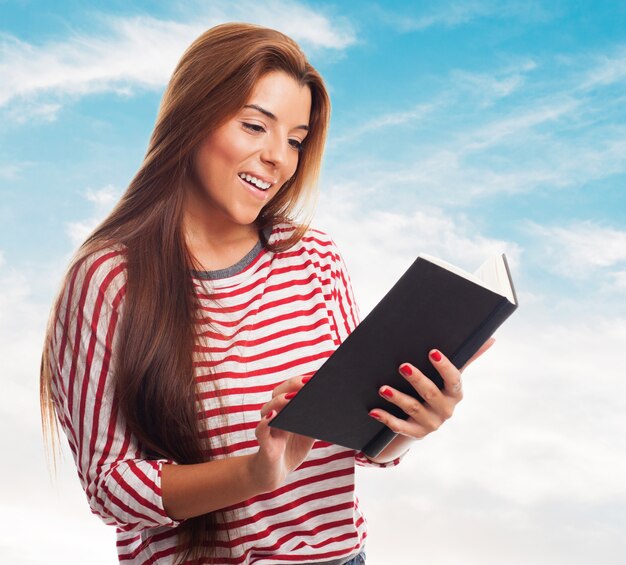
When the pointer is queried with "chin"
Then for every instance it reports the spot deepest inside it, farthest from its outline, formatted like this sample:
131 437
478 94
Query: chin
244 220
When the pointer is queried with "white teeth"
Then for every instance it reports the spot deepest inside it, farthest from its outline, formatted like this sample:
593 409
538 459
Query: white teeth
256 182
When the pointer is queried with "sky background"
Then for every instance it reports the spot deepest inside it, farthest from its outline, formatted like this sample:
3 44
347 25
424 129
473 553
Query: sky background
460 129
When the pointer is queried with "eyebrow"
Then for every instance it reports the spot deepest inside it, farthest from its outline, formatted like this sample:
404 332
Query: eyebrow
272 116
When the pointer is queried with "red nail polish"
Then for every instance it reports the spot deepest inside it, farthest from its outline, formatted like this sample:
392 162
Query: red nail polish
435 356
375 415
269 414
306 379
387 392
289 395
406 370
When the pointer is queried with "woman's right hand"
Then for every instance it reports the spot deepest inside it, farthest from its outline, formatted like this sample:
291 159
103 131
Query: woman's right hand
280 452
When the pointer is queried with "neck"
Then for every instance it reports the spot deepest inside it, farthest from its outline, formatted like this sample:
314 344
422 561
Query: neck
216 245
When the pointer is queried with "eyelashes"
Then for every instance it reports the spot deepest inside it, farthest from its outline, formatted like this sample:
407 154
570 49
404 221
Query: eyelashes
256 128
296 144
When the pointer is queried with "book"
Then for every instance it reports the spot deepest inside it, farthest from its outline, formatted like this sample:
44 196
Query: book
433 305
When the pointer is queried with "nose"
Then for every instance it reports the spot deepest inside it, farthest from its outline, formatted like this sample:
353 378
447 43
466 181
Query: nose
274 152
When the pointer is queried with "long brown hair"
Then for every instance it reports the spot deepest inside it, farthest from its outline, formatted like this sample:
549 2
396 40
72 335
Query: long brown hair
154 376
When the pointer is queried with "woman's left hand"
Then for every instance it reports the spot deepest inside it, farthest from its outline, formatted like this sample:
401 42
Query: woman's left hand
438 405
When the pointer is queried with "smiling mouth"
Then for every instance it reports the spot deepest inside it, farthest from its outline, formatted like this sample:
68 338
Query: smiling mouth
256 183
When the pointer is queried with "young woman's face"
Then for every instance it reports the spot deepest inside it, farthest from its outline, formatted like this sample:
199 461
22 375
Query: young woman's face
240 166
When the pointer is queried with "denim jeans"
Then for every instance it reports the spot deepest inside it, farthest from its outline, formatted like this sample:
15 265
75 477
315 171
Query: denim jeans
357 559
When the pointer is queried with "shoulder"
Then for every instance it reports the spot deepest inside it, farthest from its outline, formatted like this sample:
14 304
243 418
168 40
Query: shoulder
91 294
97 276
313 240
318 250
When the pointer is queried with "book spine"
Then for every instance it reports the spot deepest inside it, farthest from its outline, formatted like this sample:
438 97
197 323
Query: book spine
470 346
381 440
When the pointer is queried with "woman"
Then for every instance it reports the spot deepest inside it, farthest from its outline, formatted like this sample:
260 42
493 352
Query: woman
198 309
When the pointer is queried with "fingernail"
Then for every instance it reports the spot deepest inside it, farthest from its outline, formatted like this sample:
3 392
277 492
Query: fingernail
269 414
406 370
435 356
289 395
387 392
306 379
375 415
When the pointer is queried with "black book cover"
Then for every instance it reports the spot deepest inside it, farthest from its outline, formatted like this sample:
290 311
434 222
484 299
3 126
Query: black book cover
429 307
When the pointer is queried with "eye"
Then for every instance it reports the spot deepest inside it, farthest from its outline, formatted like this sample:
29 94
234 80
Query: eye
256 128
297 145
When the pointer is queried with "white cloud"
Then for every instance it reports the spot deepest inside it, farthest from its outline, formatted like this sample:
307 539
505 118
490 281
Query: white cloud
307 25
58 542
490 87
446 177
455 13
484 88
86 64
396 118
607 70
530 463
27 492
581 249
501 129
618 280
103 199
24 110
514 153
78 231
12 171
394 239
408 117
140 52
505 133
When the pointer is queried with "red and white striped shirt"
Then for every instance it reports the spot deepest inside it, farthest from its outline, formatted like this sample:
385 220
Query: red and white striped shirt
281 316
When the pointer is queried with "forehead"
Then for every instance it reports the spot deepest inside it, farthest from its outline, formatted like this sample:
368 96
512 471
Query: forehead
284 97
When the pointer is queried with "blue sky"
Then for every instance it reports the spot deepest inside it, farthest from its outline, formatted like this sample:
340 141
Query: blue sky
460 129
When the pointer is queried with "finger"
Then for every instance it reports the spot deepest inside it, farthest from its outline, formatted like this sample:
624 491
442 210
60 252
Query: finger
452 384
421 414
292 384
272 441
426 388
263 430
277 403
405 427
476 355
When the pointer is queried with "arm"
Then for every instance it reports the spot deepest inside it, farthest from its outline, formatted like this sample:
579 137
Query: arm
123 486
191 490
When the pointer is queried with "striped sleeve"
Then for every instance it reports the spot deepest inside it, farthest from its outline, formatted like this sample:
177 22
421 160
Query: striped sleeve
347 317
123 487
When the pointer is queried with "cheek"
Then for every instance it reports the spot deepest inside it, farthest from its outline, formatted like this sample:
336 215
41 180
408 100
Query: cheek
216 158
293 165
234 149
